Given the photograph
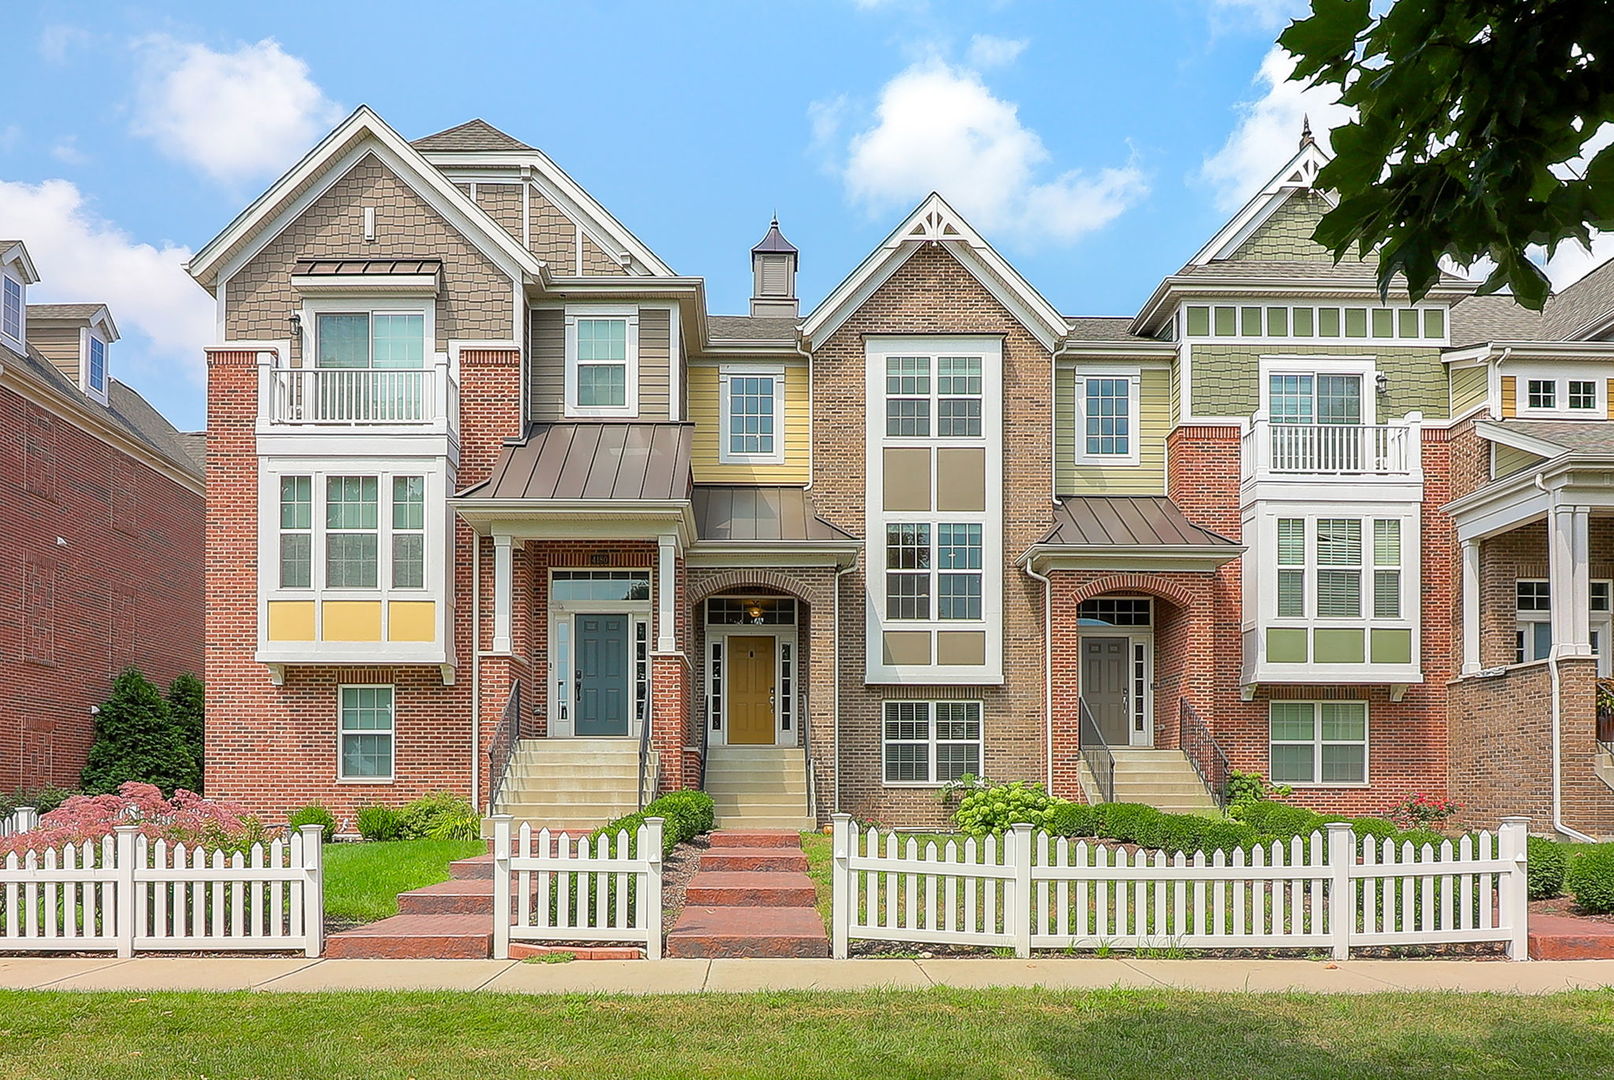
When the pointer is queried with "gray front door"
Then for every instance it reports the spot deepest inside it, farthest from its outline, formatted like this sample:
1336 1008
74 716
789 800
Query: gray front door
1104 687
601 682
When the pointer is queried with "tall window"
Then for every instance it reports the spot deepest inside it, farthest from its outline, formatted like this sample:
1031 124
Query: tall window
958 397
1339 568
958 579
408 532
1319 742
377 339
907 396
11 308
908 569
1323 569
752 406
352 539
366 733
1315 399
602 363
97 372
931 742
296 532
1107 417
952 398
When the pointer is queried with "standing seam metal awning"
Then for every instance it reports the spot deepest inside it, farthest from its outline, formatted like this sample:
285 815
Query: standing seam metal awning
623 461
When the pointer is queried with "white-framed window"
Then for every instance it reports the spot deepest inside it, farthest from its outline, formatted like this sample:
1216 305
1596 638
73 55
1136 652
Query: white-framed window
376 338
1541 393
928 743
602 361
1579 392
408 532
1582 395
350 532
1339 568
753 415
365 733
946 406
296 532
95 372
1107 412
1532 634
11 308
1314 398
1318 743
941 560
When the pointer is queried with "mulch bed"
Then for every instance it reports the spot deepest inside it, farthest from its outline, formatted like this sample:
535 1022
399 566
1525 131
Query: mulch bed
676 870
1563 905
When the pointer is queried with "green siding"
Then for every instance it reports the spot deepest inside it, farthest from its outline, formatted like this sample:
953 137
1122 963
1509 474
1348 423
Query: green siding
1226 378
1468 388
1286 235
1510 460
1148 477
1338 646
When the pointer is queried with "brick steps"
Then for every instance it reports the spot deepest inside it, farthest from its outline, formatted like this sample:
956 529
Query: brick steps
413 937
750 896
748 931
725 860
462 896
1564 937
753 838
751 888
478 866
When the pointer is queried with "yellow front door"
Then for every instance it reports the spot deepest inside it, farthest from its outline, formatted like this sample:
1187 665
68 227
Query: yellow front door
750 691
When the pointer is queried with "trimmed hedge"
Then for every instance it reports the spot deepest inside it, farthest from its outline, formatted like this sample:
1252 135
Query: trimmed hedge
1547 866
1591 880
685 815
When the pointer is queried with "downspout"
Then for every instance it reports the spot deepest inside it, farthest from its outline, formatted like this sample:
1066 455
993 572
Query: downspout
476 671
1047 666
1557 728
837 699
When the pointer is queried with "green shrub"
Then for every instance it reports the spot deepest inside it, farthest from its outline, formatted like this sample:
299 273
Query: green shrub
1227 836
1277 818
187 710
379 823
1250 787
992 810
43 799
1130 823
440 816
314 814
1548 863
687 813
137 738
1419 838
1074 819
1380 829
1180 832
1591 879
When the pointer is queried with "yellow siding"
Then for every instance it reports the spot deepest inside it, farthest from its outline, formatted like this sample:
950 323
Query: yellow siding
1148 477
706 410
1468 389
291 620
411 620
352 620
1510 397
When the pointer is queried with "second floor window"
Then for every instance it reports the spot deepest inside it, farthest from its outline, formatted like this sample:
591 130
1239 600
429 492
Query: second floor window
1325 571
296 532
1315 399
602 363
948 570
97 372
933 397
408 532
352 538
372 339
11 308
1107 419
752 415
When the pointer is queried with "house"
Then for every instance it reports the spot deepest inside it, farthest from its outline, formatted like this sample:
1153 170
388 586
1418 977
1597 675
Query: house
498 506
101 513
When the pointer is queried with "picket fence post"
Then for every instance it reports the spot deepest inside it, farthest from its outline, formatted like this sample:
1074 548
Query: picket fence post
26 818
650 849
313 889
501 886
1341 890
840 876
124 917
1514 889
1019 914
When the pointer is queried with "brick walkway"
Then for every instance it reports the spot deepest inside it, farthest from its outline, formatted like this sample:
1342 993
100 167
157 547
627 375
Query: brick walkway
751 897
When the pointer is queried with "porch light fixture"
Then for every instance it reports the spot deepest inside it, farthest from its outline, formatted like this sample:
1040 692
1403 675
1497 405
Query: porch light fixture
1381 382
754 610
296 324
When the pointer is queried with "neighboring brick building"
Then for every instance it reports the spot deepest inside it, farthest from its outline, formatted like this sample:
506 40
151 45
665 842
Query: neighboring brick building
101 510
499 507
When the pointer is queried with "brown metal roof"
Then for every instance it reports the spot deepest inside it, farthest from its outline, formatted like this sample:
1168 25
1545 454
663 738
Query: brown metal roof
605 460
333 267
1127 521
725 512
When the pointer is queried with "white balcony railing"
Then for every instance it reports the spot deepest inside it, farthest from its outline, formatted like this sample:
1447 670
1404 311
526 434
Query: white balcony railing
1332 450
425 399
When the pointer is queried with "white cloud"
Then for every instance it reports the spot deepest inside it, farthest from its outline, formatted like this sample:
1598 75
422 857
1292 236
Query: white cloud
1268 130
988 51
83 258
1266 14
939 128
235 115
66 150
1574 260
59 39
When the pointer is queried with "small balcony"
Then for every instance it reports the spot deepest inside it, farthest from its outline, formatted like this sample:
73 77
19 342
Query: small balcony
359 400
1332 452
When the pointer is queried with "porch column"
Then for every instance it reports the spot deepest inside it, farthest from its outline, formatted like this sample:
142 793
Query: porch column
1569 579
503 592
1471 607
666 595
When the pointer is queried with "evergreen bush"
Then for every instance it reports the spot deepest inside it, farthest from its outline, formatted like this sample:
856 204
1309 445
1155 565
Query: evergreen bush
1547 863
1074 819
187 709
1591 880
137 740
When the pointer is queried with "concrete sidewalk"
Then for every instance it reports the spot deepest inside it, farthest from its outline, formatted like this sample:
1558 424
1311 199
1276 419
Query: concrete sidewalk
738 976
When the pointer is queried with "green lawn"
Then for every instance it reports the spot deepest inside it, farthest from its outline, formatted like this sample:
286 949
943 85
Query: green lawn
820 851
362 881
949 1034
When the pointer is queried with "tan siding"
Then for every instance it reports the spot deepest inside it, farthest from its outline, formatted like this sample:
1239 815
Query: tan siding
503 204
1148 477
705 409
654 363
546 390
1468 389
598 262
1510 460
59 345
551 234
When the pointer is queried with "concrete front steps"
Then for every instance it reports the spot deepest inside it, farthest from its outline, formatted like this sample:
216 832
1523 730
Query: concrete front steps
572 785
759 787
1164 779
750 896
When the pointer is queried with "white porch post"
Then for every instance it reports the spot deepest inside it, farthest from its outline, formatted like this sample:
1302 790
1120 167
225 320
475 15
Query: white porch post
503 592
666 582
1471 606
1569 579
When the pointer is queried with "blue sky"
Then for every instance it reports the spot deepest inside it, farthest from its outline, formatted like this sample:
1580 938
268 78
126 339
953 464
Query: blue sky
1097 144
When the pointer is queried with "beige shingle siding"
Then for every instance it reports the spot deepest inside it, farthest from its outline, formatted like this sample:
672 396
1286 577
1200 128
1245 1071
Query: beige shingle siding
1468 389
546 393
59 345
1148 477
1286 235
1510 460
551 234
598 262
503 204
654 367
1226 378
706 410
475 304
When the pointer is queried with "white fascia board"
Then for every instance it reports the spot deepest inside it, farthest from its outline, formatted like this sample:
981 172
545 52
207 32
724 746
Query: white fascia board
1162 352
718 554
1502 433
365 131
1046 557
17 255
1186 288
604 519
567 194
1552 350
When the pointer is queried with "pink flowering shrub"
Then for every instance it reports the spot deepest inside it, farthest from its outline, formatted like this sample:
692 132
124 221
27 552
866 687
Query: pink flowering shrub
1424 812
187 819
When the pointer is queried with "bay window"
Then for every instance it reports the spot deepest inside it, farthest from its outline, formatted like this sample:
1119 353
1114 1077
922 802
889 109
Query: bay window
373 531
296 532
352 537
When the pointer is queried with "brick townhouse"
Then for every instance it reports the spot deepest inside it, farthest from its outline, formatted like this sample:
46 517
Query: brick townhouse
101 513
499 507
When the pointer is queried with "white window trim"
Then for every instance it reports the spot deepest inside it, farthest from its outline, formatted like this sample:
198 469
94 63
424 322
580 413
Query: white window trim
630 313
1601 622
717 684
20 342
1295 340
1560 387
930 704
341 734
367 305
776 372
1317 742
86 339
1133 456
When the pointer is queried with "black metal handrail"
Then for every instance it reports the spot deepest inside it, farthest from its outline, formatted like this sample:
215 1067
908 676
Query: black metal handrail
804 712
1096 752
503 745
1204 752
644 743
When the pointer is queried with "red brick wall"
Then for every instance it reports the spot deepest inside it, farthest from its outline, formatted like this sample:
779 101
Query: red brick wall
124 587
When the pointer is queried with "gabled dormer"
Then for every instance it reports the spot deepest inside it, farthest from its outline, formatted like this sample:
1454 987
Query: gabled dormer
16 274
77 340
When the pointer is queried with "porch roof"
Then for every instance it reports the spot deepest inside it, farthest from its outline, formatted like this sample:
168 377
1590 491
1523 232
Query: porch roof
609 461
751 514
1128 521
1567 436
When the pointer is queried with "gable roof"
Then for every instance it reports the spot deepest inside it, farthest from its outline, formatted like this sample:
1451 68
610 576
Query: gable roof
471 136
84 313
15 251
933 221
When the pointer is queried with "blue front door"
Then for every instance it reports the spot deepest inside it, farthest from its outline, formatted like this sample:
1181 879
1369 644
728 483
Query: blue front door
601 683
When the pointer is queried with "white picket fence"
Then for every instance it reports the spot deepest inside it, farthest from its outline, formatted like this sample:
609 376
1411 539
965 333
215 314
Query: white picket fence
557 888
129 893
19 820
1027 891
